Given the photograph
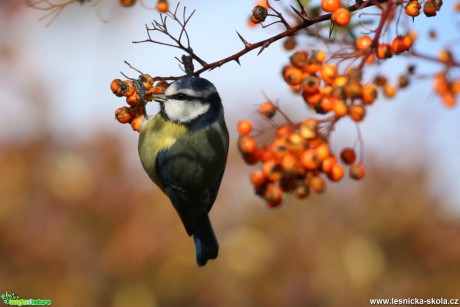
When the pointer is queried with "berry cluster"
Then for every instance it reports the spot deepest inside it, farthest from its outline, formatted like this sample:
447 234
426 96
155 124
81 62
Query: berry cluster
446 89
340 16
325 90
296 161
137 92
430 8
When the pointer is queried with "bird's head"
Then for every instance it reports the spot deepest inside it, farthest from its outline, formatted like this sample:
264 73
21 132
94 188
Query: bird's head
189 99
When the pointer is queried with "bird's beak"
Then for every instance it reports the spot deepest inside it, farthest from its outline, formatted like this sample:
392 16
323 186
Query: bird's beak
159 98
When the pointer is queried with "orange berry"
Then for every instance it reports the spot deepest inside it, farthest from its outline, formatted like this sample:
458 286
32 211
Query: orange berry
371 58
134 99
403 81
115 87
357 171
322 151
254 20
272 170
317 184
244 127
380 80
284 131
136 123
292 75
296 88
301 191
136 110
456 86
319 55
448 100
306 131
330 5
265 154
336 172
400 44
247 144
456 7
162 6
258 178
299 59
445 56
313 68
326 165
273 195
128 88
123 115
312 143
326 89
413 8
328 73
363 42
251 158
311 99
348 155
267 109
290 43
440 83
296 142
340 108
430 8
325 105
309 159
162 85
127 3
341 17
279 148
340 81
389 90
310 85
356 112
383 51
289 163
147 78
353 90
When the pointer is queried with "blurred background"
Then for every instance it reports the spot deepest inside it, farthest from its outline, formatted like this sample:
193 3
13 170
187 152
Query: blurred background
81 223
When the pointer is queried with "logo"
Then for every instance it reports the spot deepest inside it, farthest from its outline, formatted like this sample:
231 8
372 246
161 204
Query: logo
14 300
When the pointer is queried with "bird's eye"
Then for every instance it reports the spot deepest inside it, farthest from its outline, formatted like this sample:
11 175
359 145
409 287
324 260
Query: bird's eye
181 96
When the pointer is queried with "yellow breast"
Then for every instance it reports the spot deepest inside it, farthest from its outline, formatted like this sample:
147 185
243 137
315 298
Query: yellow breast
156 134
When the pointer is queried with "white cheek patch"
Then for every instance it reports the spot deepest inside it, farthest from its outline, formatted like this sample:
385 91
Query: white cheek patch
184 111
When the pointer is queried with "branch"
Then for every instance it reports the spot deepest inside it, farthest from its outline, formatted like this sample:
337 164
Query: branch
248 47
266 42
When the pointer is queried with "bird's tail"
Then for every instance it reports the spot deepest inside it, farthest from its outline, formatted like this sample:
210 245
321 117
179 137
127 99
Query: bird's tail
206 245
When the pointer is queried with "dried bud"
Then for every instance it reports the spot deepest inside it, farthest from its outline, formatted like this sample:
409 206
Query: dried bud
259 13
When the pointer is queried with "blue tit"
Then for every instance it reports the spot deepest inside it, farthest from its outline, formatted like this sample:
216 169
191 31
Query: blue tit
184 151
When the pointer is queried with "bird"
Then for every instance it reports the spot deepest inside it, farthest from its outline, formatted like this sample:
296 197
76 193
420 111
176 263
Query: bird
183 149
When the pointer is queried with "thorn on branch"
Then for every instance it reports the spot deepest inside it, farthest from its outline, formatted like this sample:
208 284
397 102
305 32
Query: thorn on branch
263 47
331 29
302 15
245 42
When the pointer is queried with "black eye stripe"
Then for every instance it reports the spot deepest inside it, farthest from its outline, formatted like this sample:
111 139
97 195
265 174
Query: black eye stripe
181 96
